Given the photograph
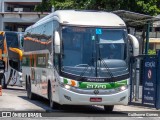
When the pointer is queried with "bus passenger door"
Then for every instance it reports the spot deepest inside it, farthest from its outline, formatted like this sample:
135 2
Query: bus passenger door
33 74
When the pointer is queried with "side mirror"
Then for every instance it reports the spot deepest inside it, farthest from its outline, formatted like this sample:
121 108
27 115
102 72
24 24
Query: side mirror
135 44
57 42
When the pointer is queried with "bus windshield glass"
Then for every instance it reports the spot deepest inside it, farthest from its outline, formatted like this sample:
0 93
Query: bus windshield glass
85 49
1 41
12 40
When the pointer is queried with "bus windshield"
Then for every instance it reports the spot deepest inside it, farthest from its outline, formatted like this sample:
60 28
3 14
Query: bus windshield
82 48
1 41
12 40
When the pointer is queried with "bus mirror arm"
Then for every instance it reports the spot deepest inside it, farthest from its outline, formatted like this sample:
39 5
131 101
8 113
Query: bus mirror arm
50 65
57 42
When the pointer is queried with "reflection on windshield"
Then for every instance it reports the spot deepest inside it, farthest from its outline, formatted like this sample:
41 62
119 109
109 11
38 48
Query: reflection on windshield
1 41
12 40
112 51
82 48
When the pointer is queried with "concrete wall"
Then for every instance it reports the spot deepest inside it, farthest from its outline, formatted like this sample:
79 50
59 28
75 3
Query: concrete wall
25 17
15 18
1 23
3 5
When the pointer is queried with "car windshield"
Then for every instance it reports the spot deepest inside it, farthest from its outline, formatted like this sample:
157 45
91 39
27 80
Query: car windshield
87 51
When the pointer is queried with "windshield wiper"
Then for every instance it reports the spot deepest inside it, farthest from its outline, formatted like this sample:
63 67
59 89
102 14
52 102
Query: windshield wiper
86 68
104 63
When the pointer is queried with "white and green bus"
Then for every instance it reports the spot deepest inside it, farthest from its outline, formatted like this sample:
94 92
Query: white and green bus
78 58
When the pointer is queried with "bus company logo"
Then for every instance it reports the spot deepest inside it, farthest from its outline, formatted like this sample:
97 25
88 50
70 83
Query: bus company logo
149 74
96 92
95 79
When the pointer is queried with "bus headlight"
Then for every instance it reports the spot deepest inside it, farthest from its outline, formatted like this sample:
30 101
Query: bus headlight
67 87
122 88
1 71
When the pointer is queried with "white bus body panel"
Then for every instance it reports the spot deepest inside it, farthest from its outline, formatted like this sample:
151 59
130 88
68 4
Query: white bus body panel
14 79
75 18
84 99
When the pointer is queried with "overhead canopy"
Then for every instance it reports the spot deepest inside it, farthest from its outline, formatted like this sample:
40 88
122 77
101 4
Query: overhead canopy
135 19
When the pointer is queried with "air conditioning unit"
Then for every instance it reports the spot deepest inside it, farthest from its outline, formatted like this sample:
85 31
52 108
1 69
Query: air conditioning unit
18 9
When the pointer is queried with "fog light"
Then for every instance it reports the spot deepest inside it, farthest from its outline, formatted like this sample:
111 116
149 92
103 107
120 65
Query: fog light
67 87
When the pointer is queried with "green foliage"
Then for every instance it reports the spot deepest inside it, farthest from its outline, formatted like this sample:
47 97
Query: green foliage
62 4
150 7
151 52
44 6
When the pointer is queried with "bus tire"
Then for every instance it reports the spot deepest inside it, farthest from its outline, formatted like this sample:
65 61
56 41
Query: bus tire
26 83
30 95
4 85
52 104
108 108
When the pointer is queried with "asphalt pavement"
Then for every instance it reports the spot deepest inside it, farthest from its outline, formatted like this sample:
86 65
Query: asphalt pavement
14 99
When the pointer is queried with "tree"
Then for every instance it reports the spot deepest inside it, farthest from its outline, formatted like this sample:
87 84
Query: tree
62 4
150 7
45 6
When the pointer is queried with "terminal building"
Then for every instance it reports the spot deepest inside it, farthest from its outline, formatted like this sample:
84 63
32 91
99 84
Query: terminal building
16 15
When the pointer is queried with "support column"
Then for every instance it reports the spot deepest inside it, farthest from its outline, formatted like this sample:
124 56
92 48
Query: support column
2 25
147 38
2 6
137 79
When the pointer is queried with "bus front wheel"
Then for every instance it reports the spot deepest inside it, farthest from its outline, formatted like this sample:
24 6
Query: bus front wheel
108 108
52 104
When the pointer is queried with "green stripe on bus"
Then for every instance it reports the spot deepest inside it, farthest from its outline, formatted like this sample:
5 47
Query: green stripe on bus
112 85
65 80
120 83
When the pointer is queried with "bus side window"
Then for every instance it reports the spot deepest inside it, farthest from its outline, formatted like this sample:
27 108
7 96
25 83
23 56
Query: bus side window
56 57
32 61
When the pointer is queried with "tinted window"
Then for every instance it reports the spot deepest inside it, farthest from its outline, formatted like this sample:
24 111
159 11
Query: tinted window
12 40
1 41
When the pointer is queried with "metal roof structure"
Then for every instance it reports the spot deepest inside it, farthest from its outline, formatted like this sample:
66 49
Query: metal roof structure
134 19
157 23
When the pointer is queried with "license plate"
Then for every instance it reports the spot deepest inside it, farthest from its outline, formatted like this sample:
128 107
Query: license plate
95 99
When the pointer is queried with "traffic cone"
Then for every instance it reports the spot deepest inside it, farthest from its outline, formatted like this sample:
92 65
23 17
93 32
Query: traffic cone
0 90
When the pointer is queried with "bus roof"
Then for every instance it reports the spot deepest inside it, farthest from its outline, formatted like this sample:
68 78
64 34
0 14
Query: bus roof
83 18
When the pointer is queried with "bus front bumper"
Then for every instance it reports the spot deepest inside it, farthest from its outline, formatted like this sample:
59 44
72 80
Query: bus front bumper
68 97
